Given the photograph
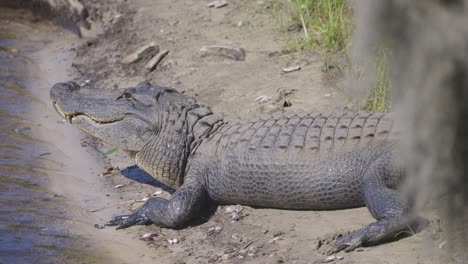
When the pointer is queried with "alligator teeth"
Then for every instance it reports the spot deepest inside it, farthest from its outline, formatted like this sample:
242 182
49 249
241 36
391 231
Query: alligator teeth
69 118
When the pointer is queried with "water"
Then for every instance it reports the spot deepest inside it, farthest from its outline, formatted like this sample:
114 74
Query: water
32 225
50 195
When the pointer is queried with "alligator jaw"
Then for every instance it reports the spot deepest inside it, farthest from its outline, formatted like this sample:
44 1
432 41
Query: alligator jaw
70 116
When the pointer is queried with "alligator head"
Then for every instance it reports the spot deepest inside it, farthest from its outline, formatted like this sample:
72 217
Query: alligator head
155 125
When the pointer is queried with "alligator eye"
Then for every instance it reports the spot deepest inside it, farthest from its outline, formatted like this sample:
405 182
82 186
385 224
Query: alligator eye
127 95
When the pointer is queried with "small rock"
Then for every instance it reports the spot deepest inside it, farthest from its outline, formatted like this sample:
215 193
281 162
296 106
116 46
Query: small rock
262 99
291 68
119 186
63 121
148 236
156 193
153 63
218 4
145 51
233 53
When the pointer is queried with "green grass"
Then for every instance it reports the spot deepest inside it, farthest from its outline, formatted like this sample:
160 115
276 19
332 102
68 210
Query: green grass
326 26
323 23
379 96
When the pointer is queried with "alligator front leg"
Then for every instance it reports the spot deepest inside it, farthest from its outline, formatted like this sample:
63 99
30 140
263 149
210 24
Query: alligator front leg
388 206
182 207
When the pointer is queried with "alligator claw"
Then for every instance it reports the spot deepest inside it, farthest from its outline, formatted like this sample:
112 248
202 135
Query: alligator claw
124 221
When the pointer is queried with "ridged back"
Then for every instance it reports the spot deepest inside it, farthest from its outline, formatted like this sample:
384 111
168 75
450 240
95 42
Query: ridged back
311 132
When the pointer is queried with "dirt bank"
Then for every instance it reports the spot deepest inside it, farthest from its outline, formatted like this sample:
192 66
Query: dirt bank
183 28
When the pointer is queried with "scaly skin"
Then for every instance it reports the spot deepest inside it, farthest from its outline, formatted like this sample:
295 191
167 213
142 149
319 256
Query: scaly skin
291 161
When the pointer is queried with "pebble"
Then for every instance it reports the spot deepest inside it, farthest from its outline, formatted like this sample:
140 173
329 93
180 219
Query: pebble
145 51
173 241
333 258
215 229
218 3
148 236
233 53
99 226
153 63
291 68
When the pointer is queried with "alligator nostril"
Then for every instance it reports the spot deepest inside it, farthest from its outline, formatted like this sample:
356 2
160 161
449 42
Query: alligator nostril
71 86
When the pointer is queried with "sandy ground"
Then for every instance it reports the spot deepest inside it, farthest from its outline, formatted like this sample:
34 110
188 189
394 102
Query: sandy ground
183 27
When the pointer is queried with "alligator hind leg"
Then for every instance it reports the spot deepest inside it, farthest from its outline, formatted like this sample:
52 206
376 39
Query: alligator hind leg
182 207
387 205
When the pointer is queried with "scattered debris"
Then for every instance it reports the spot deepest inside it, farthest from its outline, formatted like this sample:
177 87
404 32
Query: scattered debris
236 212
262 99
225 256
112 150
443 244
291 68
146 51
278 233
111 171
153 63
148 236
218 4
119 186
332 258
273 240
173 241
233 53
99 226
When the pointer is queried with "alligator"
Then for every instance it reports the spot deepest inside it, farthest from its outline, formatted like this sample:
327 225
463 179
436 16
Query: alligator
291 160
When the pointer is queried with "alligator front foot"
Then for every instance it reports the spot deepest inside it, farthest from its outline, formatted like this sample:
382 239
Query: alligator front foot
124 221
140 217
347 243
